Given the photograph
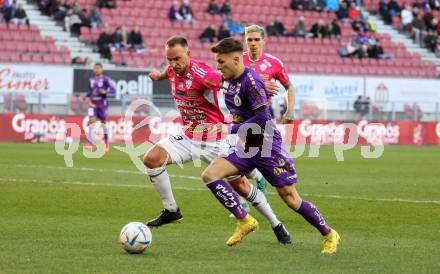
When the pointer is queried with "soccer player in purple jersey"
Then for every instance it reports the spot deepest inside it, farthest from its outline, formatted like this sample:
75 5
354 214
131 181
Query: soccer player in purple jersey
260 143
100 87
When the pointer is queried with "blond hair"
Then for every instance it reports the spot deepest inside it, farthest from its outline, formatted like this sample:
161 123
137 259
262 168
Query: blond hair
255 28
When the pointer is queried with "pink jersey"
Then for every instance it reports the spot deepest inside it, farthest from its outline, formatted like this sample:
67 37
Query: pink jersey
268 66
196 97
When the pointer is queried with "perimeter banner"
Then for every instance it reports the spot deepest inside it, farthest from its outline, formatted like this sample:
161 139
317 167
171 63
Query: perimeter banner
48 128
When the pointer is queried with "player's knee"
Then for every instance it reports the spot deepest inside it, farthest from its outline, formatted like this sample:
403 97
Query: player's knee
209 175
153 160
240 186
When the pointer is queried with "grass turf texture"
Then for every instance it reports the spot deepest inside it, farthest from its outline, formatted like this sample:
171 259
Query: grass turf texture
56 219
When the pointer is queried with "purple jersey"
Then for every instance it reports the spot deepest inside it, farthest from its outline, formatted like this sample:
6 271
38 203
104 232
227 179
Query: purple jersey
246 99
243 96
96 85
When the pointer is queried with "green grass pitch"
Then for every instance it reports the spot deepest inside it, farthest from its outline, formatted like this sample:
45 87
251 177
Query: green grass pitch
55 219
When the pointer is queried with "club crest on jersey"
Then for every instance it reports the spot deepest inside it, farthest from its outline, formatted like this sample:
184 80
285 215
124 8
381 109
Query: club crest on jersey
237 100
263 67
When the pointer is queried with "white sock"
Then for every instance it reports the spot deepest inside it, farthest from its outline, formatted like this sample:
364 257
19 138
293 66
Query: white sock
259 201
162 185
255 174
90 133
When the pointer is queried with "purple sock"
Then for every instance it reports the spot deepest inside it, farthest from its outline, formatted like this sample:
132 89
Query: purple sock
227 197
311 213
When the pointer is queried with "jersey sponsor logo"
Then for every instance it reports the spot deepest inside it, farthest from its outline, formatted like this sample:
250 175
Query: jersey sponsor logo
236 118
188 83
237 100
192 94
180 103
173 86
257 94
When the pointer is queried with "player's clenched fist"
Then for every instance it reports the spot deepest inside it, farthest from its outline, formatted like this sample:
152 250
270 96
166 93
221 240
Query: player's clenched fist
155 75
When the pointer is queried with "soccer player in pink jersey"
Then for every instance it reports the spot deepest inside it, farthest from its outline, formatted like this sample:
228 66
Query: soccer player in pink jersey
194 86
266 65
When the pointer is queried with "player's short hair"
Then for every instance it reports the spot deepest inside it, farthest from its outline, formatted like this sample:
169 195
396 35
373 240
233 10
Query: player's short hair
255 28
228 45
177 40
98 64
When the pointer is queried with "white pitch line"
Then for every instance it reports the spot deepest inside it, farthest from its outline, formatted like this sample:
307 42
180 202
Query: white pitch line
339 197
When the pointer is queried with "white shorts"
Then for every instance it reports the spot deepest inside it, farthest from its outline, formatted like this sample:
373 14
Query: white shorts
182 149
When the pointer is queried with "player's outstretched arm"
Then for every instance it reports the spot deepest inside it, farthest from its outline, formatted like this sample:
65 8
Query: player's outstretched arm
157 75
290 104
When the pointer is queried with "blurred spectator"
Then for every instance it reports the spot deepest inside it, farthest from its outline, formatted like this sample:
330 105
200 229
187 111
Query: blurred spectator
76 8
208 35
335 29
109 4
299 29
418 27
213 7
333 5
120 39
186 12
234 27
431 40
298 4
59 11
354 12
321 5
427 17
393 8
226 8
352 49
276 28
84 19
72 22
374 50
20 16
309 5
343 12
384 11
174 14
320 30
362 106
136 39
417 4
80 61
434 4
105 41
9 11
223 32
95 18
407 18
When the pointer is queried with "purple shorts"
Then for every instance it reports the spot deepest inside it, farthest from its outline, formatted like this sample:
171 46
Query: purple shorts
100 113
278 169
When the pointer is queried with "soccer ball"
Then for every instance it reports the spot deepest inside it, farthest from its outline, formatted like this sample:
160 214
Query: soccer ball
135 237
